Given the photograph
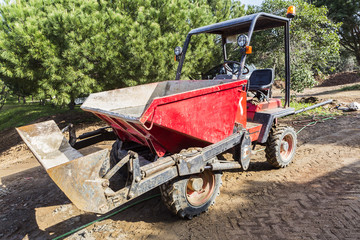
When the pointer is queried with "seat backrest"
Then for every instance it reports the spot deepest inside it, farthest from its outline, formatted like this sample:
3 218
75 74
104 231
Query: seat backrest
261 79
223 76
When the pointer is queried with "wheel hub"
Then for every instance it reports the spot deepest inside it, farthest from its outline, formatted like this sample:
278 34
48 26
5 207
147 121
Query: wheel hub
200 188
196 184
285 146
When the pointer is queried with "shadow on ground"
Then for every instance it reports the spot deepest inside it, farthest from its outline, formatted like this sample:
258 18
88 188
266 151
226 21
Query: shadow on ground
322 208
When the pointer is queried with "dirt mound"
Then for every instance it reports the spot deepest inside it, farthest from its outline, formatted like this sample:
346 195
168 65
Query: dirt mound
340 79
279 84
333 80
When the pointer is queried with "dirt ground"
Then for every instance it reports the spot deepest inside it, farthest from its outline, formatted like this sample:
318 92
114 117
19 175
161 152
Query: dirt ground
316 197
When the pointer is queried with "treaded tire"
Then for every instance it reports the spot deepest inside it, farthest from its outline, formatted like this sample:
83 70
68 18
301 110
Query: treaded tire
116 154
175 197
281 146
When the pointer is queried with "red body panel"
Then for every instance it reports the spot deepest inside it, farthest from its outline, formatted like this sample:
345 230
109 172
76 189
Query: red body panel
190 119
255 128
253 108
254 131
241 111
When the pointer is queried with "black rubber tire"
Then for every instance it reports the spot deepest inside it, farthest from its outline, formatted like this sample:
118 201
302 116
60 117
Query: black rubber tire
173 194
116 154
277 136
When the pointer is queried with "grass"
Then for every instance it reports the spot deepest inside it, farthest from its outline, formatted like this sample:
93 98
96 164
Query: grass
15 115
322 111
351 88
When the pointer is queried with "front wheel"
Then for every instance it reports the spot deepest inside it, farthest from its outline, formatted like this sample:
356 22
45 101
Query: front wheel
189 196
281 146
116 154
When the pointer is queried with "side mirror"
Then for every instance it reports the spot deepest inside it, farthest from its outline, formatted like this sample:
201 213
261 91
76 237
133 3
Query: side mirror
178 53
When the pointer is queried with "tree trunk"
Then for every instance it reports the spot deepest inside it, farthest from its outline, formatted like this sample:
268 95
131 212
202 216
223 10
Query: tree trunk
3 97
358 59
72 103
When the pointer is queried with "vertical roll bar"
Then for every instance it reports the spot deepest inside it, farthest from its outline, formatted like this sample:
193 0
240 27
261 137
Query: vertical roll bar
287 64
243 58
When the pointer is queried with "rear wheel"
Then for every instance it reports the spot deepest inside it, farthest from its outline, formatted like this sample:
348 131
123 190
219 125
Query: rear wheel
281 146
188 197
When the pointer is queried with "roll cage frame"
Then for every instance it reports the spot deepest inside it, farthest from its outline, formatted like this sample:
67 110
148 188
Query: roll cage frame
254 22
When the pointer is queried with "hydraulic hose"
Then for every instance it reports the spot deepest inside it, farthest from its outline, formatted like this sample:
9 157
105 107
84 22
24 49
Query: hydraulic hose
104 217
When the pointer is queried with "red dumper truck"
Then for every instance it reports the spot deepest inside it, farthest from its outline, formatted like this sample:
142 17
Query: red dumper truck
170 134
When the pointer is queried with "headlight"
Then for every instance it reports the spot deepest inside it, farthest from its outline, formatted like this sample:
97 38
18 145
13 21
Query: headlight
178 51
242 40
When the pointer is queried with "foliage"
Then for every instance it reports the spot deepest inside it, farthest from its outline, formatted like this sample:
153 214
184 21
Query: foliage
348 13
351 88
4 92
313 42
345 63
205 50
63 49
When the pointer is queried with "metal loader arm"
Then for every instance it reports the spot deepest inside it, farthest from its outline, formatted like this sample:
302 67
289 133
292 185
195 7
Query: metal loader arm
85 179
195 164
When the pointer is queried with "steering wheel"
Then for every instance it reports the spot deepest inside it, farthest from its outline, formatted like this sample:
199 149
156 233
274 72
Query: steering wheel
234 71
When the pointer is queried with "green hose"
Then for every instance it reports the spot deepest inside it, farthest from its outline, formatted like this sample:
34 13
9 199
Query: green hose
313 123
105 217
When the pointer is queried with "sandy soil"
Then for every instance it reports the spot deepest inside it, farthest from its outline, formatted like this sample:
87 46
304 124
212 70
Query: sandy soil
325 93
330 88
316 197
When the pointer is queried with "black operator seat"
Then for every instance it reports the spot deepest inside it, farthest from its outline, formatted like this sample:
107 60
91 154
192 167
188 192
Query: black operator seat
261 79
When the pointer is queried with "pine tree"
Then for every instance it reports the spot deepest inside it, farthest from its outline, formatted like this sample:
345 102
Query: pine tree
64 49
